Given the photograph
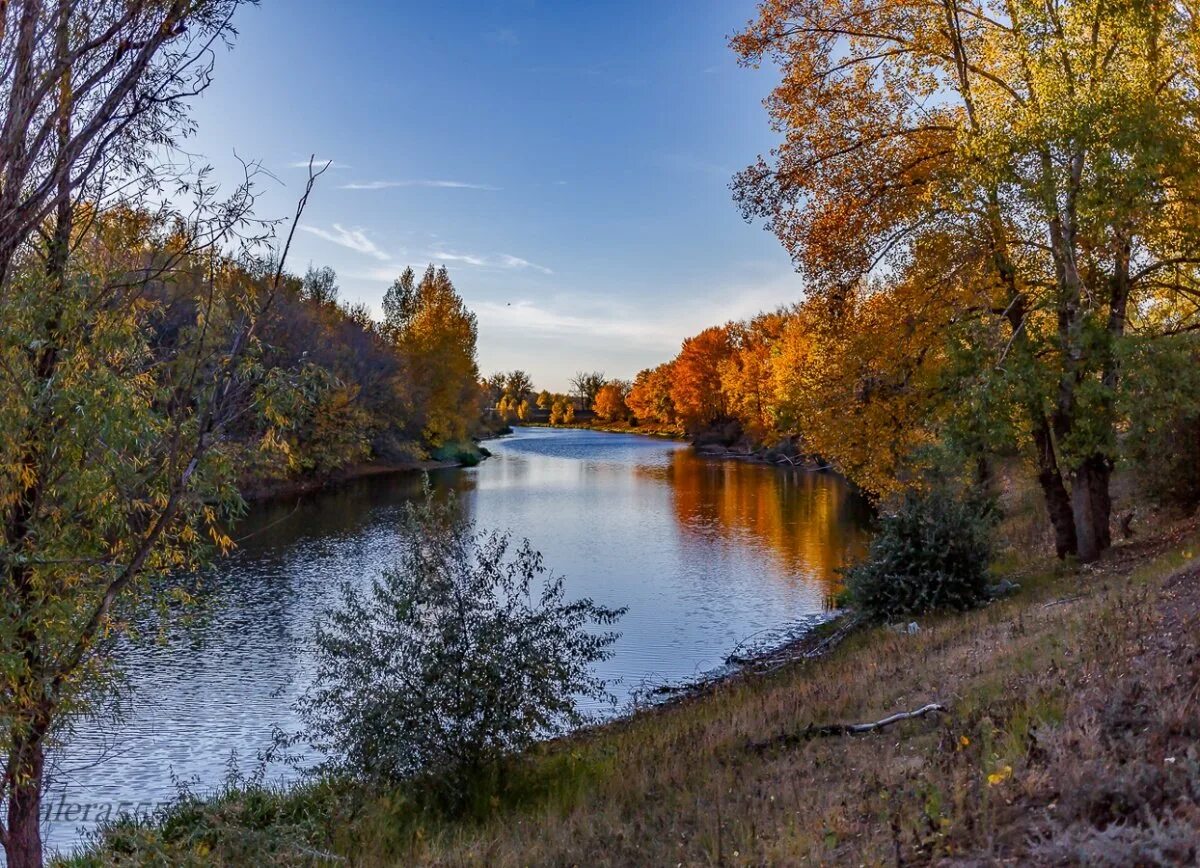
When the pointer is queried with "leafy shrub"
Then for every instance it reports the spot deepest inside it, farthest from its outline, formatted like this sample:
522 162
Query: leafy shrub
465 453
1161 401
931 553
462 653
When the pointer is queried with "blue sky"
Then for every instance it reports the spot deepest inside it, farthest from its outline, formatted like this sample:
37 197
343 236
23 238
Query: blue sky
569 162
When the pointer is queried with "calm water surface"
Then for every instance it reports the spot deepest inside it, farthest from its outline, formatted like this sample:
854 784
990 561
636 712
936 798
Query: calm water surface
703 553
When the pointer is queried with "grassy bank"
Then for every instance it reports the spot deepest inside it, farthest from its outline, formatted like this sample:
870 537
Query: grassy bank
1071 735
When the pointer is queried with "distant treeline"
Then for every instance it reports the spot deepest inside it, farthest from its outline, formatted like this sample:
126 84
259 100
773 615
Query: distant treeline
511 397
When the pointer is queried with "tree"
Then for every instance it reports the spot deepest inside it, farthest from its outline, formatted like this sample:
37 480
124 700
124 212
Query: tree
90 89
320 285
868 405
746 373
112 472
562 410
438 340
464 652
493 388
696 378
586 386
610 401
544 400
400 303
517 386
1050 147
650 396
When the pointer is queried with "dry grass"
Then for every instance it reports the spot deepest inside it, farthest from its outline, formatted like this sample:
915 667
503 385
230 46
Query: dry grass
1072 738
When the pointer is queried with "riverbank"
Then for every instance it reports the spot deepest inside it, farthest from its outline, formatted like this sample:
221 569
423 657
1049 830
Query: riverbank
1072 714
709 444
258 490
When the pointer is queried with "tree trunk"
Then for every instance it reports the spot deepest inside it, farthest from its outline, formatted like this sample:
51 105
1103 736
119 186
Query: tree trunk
1092 506
1058 501
23 847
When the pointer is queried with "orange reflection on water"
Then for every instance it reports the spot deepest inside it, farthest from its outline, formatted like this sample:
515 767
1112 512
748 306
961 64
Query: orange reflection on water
811 523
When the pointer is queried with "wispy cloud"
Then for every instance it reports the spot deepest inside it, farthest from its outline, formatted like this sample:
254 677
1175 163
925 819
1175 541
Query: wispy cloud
573 319
375 273
533 318
503 260
387 185
351 239
317 163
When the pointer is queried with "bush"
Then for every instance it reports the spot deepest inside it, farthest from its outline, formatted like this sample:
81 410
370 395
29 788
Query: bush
463 653
1161 401
931 553
464 453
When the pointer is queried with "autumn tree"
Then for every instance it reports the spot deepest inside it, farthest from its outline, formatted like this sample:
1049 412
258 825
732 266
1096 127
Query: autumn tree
1052 146
610 401
562 410
868 406
696 378
110 468
649 396
437 334
544 400
745 374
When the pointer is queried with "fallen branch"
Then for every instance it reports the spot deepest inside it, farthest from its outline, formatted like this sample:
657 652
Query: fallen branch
857 728
814 731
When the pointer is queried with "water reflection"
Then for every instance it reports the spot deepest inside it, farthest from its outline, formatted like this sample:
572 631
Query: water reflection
809 524
702 553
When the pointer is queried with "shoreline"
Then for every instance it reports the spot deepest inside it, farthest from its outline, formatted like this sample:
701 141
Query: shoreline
762 455
258 492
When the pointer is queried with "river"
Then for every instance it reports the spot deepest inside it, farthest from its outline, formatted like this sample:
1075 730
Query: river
703 553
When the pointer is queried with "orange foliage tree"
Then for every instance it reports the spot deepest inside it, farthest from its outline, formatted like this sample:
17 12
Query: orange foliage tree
610 401
696 378
650 396
745 373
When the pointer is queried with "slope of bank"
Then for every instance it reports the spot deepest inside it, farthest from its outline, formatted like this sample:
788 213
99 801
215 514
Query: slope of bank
1070 736
457 455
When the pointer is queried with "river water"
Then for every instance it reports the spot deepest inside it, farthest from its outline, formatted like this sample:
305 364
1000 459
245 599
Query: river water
703 553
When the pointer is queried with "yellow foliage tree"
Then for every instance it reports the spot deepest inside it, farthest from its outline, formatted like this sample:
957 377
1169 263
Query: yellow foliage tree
437 334
610 402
